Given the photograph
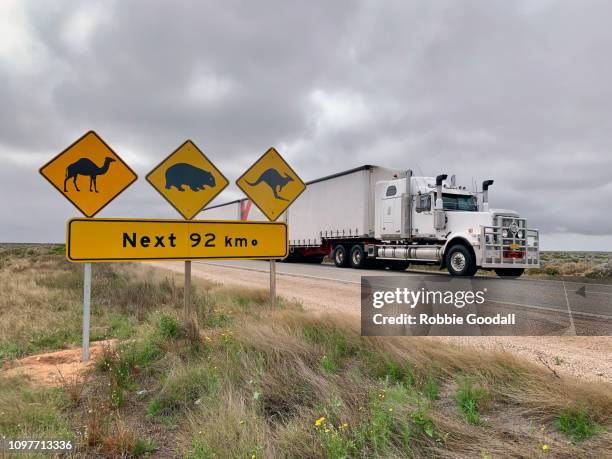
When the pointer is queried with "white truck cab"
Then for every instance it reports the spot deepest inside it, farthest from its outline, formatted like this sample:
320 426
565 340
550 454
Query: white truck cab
430 219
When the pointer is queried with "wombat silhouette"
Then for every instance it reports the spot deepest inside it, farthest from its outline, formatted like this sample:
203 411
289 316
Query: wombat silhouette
85 166
274 180
196 179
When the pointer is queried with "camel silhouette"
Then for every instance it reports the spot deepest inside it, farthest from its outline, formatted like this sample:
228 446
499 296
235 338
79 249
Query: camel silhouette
85 166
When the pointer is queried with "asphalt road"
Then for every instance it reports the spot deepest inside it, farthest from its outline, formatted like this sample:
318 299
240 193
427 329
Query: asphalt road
579 308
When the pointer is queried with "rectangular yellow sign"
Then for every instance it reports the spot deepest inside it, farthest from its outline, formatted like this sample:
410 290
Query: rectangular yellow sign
106 239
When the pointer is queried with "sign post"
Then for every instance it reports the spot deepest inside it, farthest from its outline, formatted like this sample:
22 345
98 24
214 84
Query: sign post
272 185
188 180
273 283
86 309
187 293
90 175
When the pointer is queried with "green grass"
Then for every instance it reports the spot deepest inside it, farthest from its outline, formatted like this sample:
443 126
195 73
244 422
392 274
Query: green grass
576 424
27 411
470 400
185 386
257 380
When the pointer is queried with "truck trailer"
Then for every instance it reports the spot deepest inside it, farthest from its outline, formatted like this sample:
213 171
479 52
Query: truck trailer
373 216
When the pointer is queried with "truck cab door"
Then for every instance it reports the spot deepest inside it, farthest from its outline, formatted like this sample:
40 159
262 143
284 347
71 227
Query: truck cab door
391 206
422 216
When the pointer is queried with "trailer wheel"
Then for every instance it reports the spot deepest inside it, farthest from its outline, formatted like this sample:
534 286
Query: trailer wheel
340 256
460 261
358 257
509 272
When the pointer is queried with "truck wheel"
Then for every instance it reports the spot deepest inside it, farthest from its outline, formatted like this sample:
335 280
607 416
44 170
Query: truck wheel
358 257
509 272
340 257
460 261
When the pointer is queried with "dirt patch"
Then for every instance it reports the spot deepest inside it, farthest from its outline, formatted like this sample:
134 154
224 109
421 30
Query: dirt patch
54 368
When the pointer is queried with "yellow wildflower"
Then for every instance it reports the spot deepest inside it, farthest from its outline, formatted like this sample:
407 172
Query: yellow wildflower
545 447
319 421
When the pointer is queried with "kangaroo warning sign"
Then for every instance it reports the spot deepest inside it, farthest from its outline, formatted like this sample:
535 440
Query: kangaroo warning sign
89 174
105 239
187 180
271 184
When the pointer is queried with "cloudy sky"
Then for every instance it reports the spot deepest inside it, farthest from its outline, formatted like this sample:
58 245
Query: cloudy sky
518 91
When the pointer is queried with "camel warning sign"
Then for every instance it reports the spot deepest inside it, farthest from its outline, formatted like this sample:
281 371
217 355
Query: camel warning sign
89 174
187 180
271 184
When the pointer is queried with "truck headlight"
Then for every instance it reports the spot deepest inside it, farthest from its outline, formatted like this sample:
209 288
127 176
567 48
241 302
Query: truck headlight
520 234
505 233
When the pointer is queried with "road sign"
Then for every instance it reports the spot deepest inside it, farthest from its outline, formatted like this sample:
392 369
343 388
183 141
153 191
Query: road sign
89 174
187 180
106 239
271 184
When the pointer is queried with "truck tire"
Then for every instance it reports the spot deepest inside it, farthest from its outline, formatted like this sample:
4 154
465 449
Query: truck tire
460 261
340 256
510 272
358 257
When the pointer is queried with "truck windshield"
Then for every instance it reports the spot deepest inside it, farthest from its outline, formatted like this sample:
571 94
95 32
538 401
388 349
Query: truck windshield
459 202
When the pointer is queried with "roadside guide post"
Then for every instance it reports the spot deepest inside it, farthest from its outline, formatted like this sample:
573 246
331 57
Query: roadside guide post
92 158
188 181
272 185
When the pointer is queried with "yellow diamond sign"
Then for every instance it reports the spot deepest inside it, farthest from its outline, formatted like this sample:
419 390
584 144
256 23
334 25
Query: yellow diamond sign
89 174
271 184
187 180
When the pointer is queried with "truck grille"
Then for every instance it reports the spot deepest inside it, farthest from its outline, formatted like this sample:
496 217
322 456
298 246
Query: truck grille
510 244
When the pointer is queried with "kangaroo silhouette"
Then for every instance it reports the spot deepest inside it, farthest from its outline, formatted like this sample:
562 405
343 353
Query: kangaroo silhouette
85 166
274 180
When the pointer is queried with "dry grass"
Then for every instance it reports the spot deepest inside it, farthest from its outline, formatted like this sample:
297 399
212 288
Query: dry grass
280 382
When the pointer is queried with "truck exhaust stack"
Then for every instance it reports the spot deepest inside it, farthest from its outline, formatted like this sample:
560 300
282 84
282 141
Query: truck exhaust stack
485 194
439 217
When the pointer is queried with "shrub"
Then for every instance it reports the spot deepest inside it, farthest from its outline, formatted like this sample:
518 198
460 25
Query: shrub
600 272
470 400
167 326
576 424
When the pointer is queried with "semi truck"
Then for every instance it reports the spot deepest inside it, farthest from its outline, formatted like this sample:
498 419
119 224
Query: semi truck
373 216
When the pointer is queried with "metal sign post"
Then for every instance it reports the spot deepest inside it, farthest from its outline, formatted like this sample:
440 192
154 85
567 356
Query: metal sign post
273 283
86 309
187 294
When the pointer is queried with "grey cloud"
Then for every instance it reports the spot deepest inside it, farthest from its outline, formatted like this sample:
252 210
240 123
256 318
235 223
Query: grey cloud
516 91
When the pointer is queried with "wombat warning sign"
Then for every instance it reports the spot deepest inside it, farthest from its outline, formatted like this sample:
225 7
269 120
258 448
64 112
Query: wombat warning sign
187 180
